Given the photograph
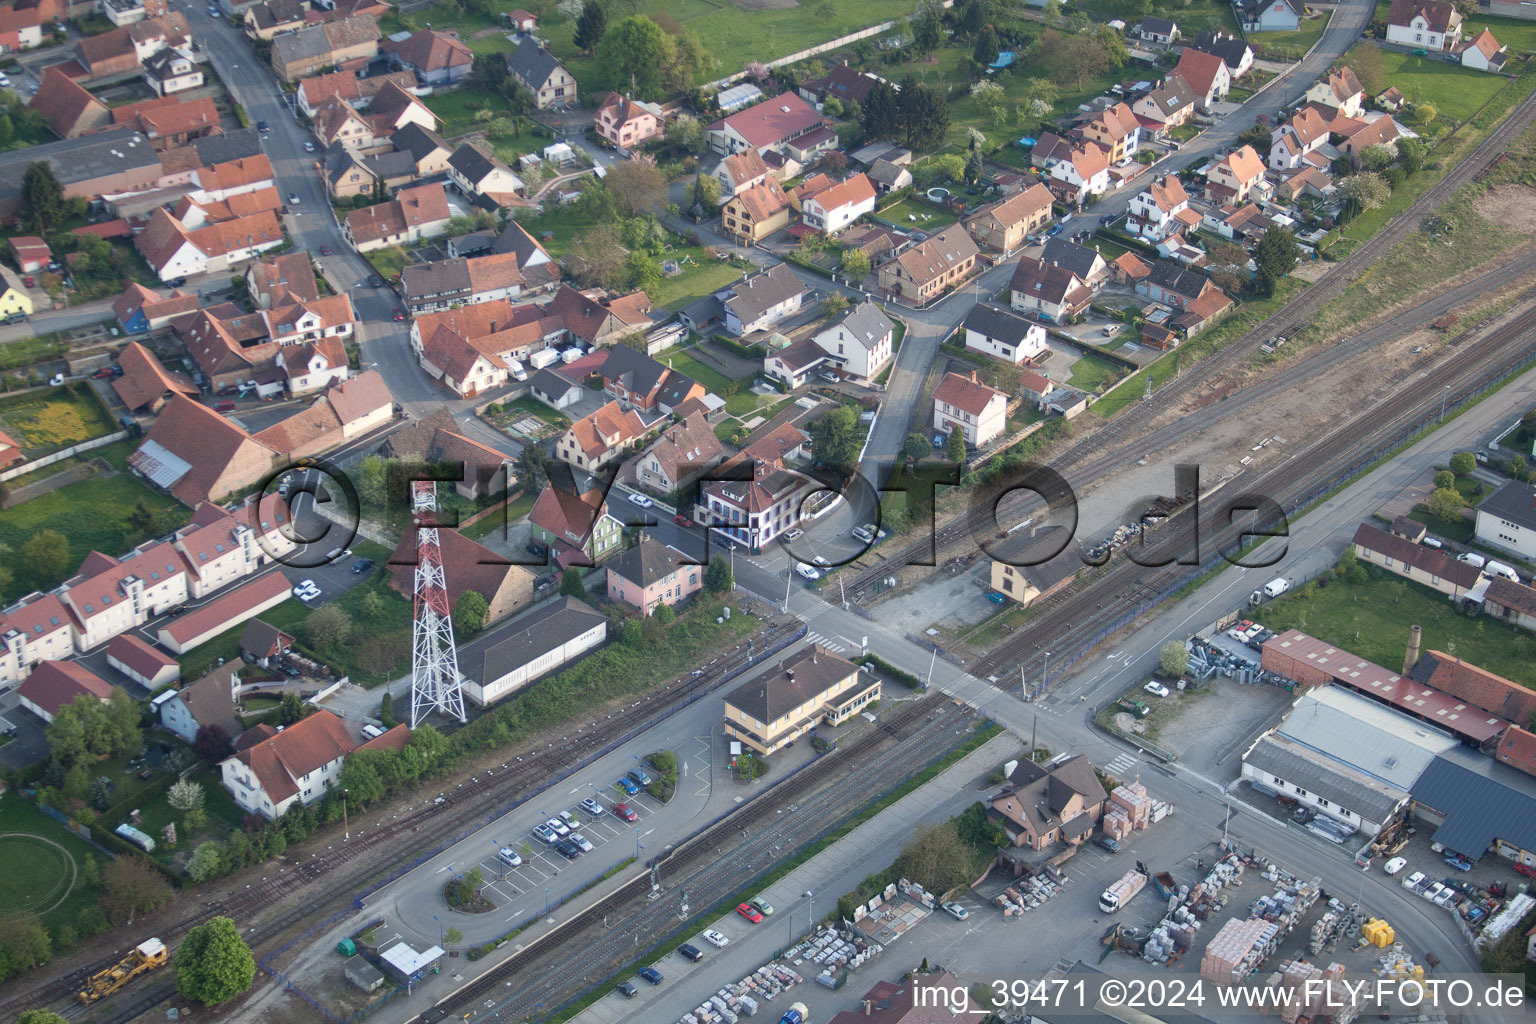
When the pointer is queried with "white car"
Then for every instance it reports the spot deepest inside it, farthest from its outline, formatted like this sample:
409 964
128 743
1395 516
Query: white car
1414 880
558 827
570 820
545 833
510 857
794 534
821 561
309 147
582 842
807 571
1395 865
715 939
293 199
1156 688
592 807
641 500
57 380
956 911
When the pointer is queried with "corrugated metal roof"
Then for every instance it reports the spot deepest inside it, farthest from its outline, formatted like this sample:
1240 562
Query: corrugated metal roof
1481 799
1332 780
157 462
1365 735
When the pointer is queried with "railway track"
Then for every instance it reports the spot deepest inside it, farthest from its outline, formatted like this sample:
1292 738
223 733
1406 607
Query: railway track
1121 587
710 867
514 781
1130 431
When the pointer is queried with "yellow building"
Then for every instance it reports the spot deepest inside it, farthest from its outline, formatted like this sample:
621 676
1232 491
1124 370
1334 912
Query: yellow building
1023 568
14 301
787 701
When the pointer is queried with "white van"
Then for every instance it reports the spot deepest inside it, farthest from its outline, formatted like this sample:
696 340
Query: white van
1500 569
1276 587
1472 558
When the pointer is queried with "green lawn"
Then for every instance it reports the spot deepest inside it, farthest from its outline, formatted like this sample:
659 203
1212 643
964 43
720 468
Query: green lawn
1090 372
699 275
1460 530
1515 33
913 213
27 351
557 228
388 262
1198 16
710 377
1292 45
519 508
22 816
45 421
1456 92
1371 620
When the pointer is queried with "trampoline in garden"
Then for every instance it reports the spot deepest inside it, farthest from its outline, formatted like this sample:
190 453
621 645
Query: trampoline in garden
938 195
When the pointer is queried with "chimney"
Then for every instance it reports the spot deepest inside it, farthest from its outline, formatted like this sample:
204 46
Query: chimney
1415 640
974 378
869 1007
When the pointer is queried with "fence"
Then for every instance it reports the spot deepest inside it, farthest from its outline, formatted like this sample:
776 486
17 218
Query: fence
80 831
62 454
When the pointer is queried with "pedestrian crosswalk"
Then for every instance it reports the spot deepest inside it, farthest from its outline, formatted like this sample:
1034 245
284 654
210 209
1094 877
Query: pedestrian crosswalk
835 646
1121 766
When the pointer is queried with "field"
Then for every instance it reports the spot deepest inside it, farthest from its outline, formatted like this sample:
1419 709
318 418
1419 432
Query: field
92 514
1518 35
1090 373
45 421
456 110
1456 92
1372 619
41 856
710 377
558 228
1290 45
1197 17
913 213
699 275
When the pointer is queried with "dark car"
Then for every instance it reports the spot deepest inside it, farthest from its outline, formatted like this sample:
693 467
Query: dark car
568 849
102 374
399 316
362 565
1106 843
291 672
178 282
536 549
627 990
225 406
691 952
225 392
638 774
375 281
650 974
325 250
261 126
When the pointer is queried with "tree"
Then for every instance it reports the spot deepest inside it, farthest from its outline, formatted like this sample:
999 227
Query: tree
470 613
924 114
387 710
1173 659
290 708
1445 503
686 133
637 51
1463 463
47 553
206 862
132 886
916 446
1517 464
328 626
972 17
591 25
855 265
453 936
213 963
638 186
40 1017
690 62
644 275
835 438
372 482
212 744
834 305
1445 478
955 449
531 467
572 585
42 198
101 793
832 107
1365 191
1410 152
882 111
185 796
1111 44
717 578
361 777
1276 252
986 49
937 858
706 192
973 169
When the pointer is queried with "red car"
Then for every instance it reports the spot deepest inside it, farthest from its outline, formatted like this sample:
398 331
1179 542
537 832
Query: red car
103 373
682 520
625 811
399 316
29 282
1526 870
750 912
225 406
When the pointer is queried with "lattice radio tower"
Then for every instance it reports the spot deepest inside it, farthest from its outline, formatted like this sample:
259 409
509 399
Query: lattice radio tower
435 682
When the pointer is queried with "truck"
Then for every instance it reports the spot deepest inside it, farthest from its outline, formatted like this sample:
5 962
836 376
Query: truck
543 357
1136 707
796 1014
141 959
1122 892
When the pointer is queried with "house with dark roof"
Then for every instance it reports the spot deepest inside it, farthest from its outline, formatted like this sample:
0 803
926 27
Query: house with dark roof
438 58
751 498
651 574
1159 31
1060 801
860 342
54 684
597 318
1481 805
208 702
554 388
542 74
432 287
518 653
1048 290
1167 106
480 173
1002 334
1032 564
1513 602
790 699
640 382
434 438
842 83
1270 15
762 300
297 55
270 18
905 1001
1234 52
265 644
1507 519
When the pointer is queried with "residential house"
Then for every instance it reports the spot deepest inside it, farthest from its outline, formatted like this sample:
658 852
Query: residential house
1005 226
860 342
198 455
172 71
928 270
1060 801
1507 519
142 663
1513 602
209 702
834 207
34 630
438 58
14 297
347 410
555 389
810 688
502 661
296 765
21 28
1309 181
1083 172
751 500
1159 31
906 1001
651 574
1356 136
771 125
842 83
54 684
996 332
1161 209
1082 260
1116 131
479 173
297 55
1341 91
598 319
627 123
1391 99
1426 24
169 122
762 300
466 366
313 365
68 108
1484 53
1206 74
301 321
640 382
428 152
349 173
1166 107
174 250
265 644
1050 291
1193 296
740 171
467 566
123 50
1294 142
273 17
755 212
1270 15
522 21
981 412
1236 177
597 439
889 177
430 287
414 214
576 526
542 74
1407 558
1237 54
681 454
435 439
145 385
281 281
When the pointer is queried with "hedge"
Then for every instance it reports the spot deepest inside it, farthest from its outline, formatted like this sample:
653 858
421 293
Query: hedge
898 674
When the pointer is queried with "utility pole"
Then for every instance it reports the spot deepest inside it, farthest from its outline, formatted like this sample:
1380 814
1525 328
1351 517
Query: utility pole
931 662
344 824
842 593
1034 723
789 577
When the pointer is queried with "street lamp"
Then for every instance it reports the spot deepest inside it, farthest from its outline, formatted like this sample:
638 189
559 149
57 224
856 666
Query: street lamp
546 901
1045 676
810 910
1443 395
501 865
441 942
344 823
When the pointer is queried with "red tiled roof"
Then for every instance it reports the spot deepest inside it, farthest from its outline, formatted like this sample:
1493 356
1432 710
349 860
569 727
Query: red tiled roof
966 393
145 378
772 121
138 655
1199 69
280 759
227 608
54 684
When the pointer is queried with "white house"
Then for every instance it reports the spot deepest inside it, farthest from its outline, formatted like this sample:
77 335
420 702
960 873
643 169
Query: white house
296 764
1424 24
1291 143
1507 519
1341 91
1084 172
861 341
313 365
762 300
1160 209
1484 53
511 656
1001 334
209 701
1271 15
833 208
981 412
172 71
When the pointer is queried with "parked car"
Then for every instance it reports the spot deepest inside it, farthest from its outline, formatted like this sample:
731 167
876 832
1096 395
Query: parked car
567 849
1106 843
293 199
362 565
650 974
325 250
592 807
641 500
510 857
1156 688
691 952
569 819
750 912
628 787
536 549
1525 869
102 374
545 833
807 571
29 281
309 147
582 842
225 406
956 911
794 534
762 906
1459 863
639 775
715 938
1395 865
625 811
375 281
626 989
1414 880
398 316
682 520
821 562
261 126
558 827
